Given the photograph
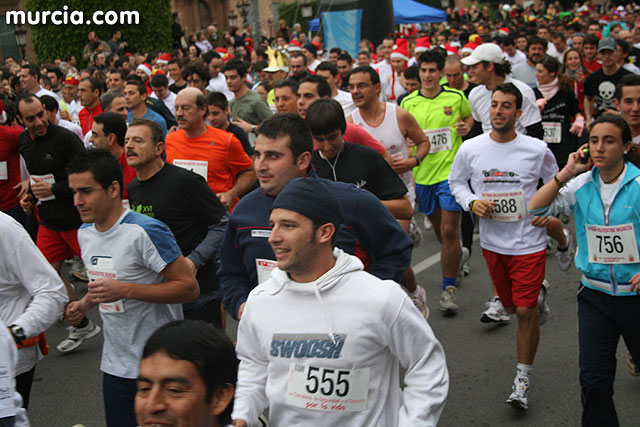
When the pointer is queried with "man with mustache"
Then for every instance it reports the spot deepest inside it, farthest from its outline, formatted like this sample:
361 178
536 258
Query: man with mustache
183 201
214 154
526 71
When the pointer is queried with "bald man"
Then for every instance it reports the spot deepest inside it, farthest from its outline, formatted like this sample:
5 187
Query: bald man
213 153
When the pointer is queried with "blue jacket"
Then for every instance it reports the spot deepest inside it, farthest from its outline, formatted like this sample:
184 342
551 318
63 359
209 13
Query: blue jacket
369 231
582 195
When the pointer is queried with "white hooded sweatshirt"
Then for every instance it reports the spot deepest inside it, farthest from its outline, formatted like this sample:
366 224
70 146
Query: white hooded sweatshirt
328 353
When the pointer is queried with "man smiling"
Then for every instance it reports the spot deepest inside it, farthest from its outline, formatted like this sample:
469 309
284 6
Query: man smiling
187 377
328 310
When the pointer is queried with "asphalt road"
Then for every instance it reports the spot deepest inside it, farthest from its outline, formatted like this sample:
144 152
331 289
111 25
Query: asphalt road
481 360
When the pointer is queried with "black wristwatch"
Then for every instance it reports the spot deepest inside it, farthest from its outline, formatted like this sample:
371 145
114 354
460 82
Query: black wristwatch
18 334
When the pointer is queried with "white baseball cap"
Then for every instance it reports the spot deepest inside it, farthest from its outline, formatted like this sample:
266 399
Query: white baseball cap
487 52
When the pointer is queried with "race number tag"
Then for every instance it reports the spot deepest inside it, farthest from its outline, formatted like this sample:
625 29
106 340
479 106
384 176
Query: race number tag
440 139
614 244
552 132
49 179
201 167
328 389
264 267
4 174
103 268
509 205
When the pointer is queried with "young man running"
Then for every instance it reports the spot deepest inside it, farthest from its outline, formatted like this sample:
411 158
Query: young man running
391 125
504 168
445 116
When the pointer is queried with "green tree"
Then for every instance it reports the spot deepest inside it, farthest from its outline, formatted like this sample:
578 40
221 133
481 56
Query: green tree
152 33
291 13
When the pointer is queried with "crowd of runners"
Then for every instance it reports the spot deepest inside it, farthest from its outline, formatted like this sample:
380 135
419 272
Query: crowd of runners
276 182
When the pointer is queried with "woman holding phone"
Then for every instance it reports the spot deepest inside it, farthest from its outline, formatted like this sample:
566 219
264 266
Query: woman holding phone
605 202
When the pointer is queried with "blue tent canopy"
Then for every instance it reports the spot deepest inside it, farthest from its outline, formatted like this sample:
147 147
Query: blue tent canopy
413 12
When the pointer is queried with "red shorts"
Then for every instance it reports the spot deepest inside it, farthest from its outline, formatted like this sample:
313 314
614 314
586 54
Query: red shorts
57 246
518 278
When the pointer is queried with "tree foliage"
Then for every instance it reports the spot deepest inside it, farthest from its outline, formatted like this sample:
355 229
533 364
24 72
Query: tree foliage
291 13
153 33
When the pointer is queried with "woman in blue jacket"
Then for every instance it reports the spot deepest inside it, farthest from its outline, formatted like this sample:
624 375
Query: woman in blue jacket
606 204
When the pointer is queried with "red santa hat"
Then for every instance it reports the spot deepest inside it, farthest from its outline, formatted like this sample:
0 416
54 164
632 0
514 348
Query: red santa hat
468 48
294 46
71 80
164 58
451 50
146 68
422 45
401 50
3 116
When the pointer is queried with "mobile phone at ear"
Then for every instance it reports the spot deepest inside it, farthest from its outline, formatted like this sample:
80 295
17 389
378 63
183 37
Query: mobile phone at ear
584 159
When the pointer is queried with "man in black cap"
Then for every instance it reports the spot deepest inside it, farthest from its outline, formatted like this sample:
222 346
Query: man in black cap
316 357
600 86
283 152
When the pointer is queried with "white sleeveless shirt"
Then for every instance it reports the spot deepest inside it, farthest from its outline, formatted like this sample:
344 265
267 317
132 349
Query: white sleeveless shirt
389 135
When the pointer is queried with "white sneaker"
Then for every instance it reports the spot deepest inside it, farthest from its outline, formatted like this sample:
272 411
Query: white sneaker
77 336
520 391
448 301
565 258
543 307
464 259
495 312
466 268
415 233
427 223
420 301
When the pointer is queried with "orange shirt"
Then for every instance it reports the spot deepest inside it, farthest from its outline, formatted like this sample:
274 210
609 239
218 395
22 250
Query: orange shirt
216 155
128 173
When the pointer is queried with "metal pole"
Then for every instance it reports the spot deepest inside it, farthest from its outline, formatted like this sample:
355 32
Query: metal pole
254 20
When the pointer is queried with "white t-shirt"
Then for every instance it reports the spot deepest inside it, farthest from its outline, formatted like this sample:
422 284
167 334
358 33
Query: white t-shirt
345 100
169 101
72 127
480 101
383 68
43 91
73 108
631 67
219 84
136 249
503 168
518 58
608 191
10 399
524 72
314 65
